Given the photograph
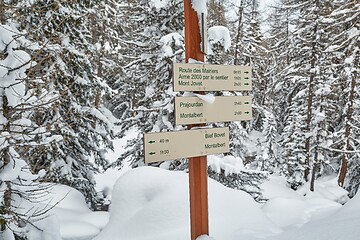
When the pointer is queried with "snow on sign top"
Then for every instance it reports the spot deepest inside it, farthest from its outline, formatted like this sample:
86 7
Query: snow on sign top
199 6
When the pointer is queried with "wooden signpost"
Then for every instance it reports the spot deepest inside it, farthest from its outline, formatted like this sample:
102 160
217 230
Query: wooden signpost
198 176
197 143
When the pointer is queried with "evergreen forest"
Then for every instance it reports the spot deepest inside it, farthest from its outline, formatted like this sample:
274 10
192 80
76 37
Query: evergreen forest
75 75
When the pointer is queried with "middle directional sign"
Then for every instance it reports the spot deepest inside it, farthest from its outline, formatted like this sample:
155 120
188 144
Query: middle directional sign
193 110
207 77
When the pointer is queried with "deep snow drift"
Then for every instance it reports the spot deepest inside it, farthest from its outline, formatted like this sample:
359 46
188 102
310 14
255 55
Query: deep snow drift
152 204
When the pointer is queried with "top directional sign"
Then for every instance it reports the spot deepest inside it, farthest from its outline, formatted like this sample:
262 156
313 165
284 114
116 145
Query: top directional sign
206 77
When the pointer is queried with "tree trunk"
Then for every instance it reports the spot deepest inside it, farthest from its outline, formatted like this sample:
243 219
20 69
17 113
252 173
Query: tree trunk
308 128
310 105
313 173
2 12
349 115
6 159
315 166
238 34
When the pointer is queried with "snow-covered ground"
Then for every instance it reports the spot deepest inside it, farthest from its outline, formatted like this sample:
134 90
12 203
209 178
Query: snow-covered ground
152 204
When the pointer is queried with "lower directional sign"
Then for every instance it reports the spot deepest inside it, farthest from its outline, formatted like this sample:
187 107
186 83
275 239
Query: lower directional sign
182 144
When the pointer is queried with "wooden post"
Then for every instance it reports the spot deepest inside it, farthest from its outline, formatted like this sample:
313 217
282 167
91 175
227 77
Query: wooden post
199 223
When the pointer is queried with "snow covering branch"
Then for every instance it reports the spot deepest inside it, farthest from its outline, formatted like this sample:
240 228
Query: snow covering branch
338 150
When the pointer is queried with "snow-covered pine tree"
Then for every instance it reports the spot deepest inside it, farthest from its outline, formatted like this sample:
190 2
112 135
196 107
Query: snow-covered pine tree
249 44
345 51
269 154
218 53
279 46
107 29
216 13
249 181
292 144
21 97
152 43
307 75
250 48
61 30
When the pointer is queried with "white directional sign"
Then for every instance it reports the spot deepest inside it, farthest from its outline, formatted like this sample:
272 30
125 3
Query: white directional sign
193 110
206 77
182 144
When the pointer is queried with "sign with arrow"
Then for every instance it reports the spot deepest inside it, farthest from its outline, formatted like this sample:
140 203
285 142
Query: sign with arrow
192 110
182 144
207 77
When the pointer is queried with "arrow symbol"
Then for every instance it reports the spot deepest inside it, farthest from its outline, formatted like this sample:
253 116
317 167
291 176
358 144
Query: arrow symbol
246 102
246 72
152 153
246 84
151 141
246 77
246 112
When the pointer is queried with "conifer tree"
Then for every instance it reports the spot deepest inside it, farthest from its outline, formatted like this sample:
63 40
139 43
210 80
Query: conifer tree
152 43
304 72
279 47
79 120
21 97
344 50
216 13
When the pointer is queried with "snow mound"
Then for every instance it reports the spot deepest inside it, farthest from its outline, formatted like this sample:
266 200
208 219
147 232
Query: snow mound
277 186
326 187
153 204
296 212
69 217
343 224
65 197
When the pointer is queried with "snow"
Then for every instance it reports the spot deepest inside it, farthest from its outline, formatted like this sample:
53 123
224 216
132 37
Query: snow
219 34
278 187
170 40
229 164
105 181
158 4
199 6
343 224
157 200
208 98
204 237
70 216
298 211
152 203
15 59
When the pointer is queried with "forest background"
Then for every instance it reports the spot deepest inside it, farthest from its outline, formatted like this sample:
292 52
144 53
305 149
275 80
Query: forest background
75 75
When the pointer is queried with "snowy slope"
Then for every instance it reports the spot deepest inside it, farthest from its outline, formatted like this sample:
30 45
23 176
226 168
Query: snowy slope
151 203
344 224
